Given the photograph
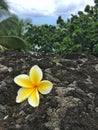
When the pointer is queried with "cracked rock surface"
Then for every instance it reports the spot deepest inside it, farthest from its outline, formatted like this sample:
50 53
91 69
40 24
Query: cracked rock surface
72 103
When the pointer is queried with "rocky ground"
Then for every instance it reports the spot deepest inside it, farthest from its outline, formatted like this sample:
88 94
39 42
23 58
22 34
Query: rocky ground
71 105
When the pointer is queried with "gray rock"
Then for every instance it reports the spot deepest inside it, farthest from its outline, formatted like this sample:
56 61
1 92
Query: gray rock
71 105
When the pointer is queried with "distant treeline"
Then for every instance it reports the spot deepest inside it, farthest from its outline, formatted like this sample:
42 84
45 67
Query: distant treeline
78 34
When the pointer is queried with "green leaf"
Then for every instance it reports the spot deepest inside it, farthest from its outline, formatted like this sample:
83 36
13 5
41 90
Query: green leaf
14 42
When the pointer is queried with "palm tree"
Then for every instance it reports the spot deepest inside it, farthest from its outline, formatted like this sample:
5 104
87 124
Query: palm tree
4 9
8 24
3 5
11 29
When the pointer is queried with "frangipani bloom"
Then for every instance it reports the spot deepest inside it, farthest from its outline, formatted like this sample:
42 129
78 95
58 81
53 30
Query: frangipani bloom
31 86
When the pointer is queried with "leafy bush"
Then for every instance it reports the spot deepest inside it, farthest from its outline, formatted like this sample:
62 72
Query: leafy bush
77 34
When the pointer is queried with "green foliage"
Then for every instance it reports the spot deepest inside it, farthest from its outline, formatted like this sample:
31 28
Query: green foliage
3 7
41 37
14 43
60 21
12 31
8 24
95 49
77 34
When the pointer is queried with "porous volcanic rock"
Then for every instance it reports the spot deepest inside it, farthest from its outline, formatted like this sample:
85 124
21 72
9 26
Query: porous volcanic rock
72 103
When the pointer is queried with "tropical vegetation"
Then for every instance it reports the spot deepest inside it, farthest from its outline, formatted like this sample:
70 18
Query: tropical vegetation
77 34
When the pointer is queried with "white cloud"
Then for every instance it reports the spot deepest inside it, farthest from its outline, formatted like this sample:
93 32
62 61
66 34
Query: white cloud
47 7
67 7
41 7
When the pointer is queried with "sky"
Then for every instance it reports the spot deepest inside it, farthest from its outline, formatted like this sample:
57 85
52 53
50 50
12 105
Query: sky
46 11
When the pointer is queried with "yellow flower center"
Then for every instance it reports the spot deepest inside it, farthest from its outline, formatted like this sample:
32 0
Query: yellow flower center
35 86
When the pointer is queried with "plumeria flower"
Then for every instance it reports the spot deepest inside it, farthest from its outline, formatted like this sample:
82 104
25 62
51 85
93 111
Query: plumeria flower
31 85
